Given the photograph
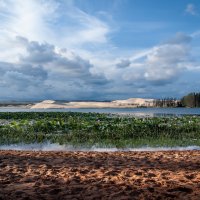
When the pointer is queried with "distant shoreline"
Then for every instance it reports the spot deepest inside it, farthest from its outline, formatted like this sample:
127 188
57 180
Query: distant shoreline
61 104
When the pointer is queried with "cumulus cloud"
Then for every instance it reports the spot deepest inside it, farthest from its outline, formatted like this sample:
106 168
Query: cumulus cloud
59 73
160 65
37 42
61 52
19 81
21 76
53 72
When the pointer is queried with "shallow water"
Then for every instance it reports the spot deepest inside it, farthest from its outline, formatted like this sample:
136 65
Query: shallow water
58 147
132 111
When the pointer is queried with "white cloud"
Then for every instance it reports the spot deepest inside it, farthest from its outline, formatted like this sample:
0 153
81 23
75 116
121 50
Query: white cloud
90 29
160 65
62 74
52 49
57 22
191 9
53 72
195 34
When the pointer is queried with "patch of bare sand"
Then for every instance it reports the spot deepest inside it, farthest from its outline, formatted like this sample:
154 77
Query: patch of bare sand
129 103
100 175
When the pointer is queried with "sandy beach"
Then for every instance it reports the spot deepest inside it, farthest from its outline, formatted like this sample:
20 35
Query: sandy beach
100 175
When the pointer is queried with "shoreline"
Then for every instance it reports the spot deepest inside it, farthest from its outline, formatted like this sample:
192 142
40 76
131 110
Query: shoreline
55 147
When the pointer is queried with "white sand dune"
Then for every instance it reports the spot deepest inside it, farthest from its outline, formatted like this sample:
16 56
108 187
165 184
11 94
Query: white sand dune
129 103
135 102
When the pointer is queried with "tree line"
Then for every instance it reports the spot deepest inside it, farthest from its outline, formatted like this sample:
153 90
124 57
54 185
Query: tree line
166 102
191 100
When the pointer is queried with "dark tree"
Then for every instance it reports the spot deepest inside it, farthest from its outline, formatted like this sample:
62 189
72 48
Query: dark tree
191 100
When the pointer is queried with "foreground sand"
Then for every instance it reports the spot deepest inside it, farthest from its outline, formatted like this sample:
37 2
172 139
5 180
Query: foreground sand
93 175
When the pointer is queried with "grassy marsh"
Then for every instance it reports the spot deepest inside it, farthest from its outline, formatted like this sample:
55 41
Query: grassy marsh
103 130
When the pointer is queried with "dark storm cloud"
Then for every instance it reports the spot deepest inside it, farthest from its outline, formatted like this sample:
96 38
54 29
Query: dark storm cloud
39 53
21 76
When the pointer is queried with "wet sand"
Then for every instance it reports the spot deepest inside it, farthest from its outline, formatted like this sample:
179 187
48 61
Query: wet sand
100 175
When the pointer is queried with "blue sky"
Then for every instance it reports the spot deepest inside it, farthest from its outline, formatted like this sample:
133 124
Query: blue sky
98 49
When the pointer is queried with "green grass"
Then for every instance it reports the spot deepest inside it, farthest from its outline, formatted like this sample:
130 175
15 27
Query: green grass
103 130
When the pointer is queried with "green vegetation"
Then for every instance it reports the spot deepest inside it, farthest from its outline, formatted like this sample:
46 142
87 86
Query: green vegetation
88 129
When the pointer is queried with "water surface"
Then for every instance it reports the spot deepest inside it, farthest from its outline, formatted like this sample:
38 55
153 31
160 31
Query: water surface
132 111
58 147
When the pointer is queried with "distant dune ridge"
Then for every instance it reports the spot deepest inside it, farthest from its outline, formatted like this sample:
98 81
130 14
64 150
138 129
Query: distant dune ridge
135 102
129 103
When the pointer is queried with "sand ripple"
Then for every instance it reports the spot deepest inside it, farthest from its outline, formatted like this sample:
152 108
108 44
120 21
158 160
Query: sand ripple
99 175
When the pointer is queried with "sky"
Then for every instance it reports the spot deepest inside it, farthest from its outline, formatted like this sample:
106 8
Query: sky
99 49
